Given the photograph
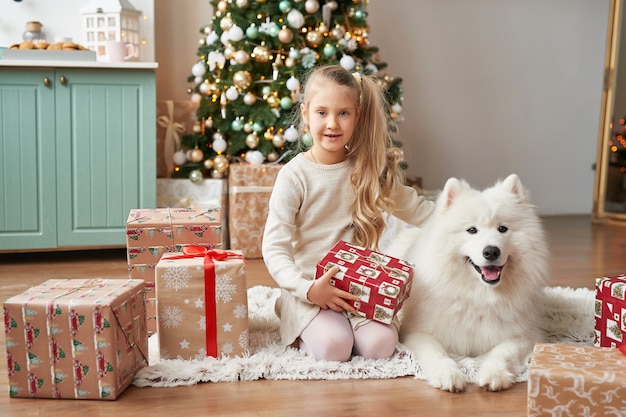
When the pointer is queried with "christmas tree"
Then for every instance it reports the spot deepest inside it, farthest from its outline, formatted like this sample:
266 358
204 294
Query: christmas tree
246 82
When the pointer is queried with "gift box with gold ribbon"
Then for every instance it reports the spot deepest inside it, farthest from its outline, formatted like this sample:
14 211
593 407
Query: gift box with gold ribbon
382 282
76 338
202 304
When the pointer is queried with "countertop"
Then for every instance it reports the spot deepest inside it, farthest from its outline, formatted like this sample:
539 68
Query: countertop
77 64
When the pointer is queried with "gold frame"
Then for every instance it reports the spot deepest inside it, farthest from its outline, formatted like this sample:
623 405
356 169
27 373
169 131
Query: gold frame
600 215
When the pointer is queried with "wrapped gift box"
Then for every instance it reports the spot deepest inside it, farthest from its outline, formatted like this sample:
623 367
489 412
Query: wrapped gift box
202 304
382 282
182 193
151 233
250 187
74 338
610 311
174 119
574 380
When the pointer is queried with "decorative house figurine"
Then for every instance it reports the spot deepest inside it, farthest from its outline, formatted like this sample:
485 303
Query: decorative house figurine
110 20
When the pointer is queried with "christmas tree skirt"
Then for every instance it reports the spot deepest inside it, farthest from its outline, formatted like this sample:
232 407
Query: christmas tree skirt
568 318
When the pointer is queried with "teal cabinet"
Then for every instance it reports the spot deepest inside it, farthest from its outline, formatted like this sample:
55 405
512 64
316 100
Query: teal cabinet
77 152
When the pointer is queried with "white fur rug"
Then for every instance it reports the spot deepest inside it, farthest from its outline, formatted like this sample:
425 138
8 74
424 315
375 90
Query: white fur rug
568 318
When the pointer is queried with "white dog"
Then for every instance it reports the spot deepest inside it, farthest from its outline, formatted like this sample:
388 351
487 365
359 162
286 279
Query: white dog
480 269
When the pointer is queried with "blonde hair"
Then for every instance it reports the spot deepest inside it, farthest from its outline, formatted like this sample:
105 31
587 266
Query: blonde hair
376 172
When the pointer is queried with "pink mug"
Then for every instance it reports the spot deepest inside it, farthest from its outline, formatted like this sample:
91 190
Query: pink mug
118 51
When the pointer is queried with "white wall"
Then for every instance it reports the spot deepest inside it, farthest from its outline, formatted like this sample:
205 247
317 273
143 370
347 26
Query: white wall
63 18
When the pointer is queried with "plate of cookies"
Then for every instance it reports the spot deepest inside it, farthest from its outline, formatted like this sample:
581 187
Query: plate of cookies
38 50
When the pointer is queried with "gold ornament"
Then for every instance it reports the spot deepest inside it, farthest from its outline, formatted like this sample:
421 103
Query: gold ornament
196 155
249 99
221 6
261 54
338 32
285 35
220 162
216 174
252 140
226 23
242 79
208 163
273 101
208 122
268 135
242 57
272 156
229 52
314 38
278 140
242 4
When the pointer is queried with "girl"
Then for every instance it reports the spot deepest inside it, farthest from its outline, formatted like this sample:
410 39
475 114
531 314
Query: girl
335 191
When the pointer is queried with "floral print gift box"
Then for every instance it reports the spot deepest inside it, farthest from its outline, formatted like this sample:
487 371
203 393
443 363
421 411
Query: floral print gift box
202 304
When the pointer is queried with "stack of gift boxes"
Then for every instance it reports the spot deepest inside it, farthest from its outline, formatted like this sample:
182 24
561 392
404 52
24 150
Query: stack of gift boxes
576 380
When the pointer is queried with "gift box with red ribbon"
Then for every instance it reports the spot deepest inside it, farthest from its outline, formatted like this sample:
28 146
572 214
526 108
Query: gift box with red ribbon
152 232
382 282
576 380
202 304
76 338
610 320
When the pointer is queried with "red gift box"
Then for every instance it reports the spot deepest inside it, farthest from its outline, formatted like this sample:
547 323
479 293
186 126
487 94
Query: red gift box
382 282
610 311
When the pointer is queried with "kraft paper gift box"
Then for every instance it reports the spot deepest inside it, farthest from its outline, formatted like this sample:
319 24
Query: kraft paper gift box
249 190
202 304
382 282
610 320
575 380
152 232
73 338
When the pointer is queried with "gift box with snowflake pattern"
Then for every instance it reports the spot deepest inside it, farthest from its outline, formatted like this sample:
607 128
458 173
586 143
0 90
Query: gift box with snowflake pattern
249 190
610 311
382 282
202 305
576 380
152 232
76 338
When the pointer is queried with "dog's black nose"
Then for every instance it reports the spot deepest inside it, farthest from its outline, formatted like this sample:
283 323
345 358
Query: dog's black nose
491 253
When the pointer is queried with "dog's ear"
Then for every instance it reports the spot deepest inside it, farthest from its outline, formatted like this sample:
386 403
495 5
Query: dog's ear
450 191
513 184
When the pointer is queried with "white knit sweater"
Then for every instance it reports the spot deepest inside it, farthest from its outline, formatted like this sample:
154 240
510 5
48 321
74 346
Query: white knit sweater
308 214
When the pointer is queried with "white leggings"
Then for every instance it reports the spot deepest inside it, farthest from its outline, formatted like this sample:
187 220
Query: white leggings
330 337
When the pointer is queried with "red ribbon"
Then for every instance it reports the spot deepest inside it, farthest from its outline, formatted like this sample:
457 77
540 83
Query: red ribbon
210 255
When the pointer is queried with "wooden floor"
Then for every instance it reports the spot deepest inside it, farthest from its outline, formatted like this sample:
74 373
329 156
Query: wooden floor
580 252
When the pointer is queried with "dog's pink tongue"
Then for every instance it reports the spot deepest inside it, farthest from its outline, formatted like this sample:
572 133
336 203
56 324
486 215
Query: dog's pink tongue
491 273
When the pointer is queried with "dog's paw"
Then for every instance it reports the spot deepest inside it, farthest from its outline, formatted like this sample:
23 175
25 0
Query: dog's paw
448 377
494 377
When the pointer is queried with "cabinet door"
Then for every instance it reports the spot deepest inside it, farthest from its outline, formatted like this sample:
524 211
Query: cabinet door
27 160
106 153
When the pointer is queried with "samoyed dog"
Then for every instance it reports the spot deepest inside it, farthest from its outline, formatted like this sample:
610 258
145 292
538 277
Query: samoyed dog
480 269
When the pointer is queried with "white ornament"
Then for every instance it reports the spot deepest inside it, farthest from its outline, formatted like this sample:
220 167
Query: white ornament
291 134
232 94
219 144
211 38
311 6
179 158
295 19
293 84
196 98
198 80
216 59
371 69
396 108
198 69
347 62
255 157
235 33
204 88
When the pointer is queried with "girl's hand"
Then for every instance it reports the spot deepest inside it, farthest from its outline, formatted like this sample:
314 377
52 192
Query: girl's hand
328 297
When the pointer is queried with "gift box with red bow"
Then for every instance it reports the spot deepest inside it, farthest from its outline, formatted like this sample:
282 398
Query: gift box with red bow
575 380
202 304
152 232
76 338
610 320
382 282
